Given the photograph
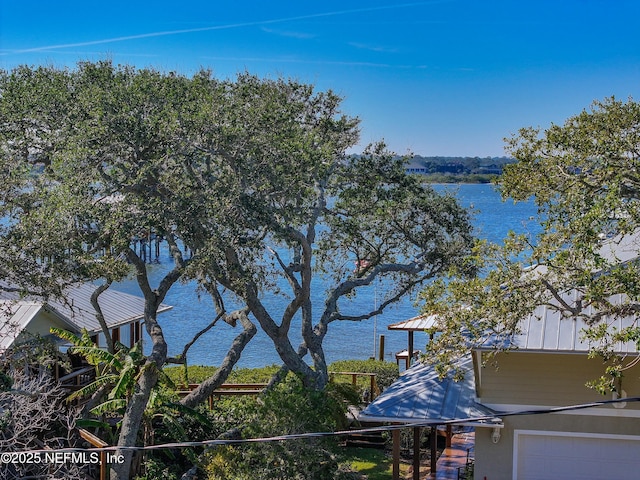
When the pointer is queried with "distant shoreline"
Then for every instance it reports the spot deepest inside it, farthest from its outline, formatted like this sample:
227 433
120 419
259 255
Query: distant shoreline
471 178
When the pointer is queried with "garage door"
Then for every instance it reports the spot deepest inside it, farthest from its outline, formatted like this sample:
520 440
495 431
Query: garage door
545 456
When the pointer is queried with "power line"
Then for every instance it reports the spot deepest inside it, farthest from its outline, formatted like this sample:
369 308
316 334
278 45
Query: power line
489 420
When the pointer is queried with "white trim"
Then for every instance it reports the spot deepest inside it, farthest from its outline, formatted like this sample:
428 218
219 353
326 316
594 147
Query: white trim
550 433
471 422
597 411
551 351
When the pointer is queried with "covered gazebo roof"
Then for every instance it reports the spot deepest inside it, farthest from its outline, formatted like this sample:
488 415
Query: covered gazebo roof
416 324
421 323
421 396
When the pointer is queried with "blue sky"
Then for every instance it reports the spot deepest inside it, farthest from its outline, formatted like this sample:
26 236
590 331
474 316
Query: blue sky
442 77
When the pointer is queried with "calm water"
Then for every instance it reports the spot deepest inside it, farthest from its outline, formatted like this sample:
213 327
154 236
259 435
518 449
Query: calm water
345 340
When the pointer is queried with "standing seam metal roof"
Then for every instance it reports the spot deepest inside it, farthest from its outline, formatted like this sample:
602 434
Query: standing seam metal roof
419 323
118 308
546 329
421 396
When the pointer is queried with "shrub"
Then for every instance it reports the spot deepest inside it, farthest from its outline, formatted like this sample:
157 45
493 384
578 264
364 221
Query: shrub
199 373
288 409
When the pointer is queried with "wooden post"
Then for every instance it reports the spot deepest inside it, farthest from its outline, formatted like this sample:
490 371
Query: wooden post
416 453
396 454
410 349
449 435
372 383
433 443
381 356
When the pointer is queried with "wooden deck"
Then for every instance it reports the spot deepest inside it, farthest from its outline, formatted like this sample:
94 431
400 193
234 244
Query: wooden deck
455 457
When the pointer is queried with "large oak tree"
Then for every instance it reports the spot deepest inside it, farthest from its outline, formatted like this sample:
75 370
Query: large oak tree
250 175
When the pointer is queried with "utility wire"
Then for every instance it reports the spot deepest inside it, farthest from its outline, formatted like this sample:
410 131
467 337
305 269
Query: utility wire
488 420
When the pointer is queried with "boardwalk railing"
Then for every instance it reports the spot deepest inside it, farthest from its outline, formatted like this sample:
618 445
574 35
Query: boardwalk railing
374 390
96 442
226 389
238 389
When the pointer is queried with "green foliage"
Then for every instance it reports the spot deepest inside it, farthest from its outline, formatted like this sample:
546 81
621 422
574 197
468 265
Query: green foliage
155 469
5 382
373 463
583 177
117 371
167 421
290 408
240 171
250 174
199 373
386 372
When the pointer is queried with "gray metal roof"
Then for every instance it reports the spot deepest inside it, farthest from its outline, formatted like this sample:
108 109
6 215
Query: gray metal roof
118 308
420 396
13 319
621 248
546 329
415 324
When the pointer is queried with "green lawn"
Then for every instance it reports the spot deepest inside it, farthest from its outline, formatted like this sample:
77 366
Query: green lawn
372 462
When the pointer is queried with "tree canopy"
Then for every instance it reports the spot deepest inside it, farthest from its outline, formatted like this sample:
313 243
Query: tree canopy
583 176
250 175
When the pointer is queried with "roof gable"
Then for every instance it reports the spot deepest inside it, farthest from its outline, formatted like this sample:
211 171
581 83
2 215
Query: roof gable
16 317
118 308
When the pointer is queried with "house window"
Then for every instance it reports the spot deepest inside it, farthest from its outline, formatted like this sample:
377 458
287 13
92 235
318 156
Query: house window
134 333
115 334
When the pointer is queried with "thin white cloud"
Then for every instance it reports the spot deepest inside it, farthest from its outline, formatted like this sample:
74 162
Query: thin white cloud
373 48
219 27
289 34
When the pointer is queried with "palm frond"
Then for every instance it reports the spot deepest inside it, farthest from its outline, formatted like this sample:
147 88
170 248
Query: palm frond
115 405
93 387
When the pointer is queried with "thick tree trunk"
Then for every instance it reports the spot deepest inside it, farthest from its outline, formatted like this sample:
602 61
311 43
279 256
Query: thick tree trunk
150 371
132 421
138 403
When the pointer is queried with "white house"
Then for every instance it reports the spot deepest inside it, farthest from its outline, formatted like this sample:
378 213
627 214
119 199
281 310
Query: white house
21 318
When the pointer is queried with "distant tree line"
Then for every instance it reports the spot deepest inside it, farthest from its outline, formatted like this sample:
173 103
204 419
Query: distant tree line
474 169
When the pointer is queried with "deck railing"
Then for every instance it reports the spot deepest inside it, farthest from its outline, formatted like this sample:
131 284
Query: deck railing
226 389
98 443
374 390
78 378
